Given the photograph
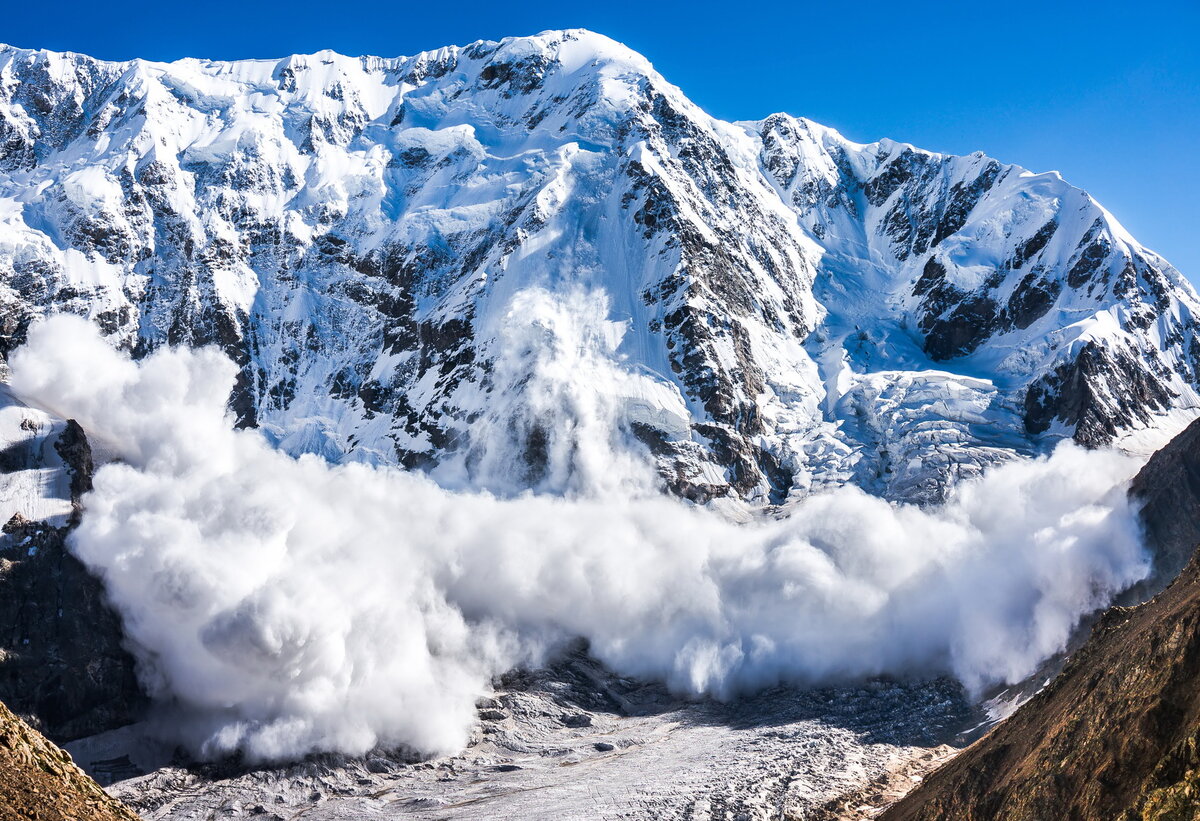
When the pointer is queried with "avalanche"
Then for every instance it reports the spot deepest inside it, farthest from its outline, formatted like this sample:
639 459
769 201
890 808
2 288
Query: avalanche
283 606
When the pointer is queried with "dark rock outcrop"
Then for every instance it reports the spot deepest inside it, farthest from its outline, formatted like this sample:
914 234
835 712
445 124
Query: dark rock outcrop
62 662
1168 488
1097 394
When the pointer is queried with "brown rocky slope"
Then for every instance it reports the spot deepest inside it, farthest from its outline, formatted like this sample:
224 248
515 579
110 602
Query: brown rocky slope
39 782
1117 734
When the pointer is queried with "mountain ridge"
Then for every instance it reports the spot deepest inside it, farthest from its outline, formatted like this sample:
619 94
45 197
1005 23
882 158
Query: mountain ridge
785 310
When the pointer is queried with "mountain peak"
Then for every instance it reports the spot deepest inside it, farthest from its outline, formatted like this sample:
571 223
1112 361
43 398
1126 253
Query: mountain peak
569 46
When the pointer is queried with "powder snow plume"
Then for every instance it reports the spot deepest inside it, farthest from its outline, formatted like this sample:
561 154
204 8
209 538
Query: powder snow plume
286 605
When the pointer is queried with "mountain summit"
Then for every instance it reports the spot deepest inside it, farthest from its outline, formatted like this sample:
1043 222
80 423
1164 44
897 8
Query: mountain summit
458 261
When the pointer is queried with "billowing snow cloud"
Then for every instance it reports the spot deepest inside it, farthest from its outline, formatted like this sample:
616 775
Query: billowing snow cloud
289 605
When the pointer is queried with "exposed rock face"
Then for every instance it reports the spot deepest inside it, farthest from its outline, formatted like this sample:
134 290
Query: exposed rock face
62 663
1169 488
39 782
352 231
1117 734
1096 395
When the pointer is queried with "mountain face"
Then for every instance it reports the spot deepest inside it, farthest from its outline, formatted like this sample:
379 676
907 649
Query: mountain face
63 663
458 261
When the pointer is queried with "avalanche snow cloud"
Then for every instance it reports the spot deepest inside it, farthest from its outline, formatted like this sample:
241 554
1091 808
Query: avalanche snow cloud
289 605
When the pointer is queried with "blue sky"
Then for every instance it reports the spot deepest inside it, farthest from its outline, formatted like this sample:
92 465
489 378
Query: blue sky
1107 93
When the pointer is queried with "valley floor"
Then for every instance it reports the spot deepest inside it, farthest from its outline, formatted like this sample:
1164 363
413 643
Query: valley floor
576 742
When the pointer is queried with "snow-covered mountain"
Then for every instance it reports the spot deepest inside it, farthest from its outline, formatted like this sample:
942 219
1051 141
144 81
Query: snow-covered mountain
462 260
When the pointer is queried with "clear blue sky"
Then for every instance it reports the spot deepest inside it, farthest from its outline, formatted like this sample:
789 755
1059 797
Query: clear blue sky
1107 93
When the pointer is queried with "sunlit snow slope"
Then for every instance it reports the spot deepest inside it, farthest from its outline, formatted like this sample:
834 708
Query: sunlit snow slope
386 247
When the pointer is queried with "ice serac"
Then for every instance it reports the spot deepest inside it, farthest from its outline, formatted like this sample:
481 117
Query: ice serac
388 248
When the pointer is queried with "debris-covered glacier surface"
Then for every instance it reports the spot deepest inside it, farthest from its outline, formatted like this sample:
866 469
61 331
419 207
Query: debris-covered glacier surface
574 741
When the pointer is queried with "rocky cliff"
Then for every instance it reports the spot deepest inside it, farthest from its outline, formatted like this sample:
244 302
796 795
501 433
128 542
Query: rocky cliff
62 663
1168 488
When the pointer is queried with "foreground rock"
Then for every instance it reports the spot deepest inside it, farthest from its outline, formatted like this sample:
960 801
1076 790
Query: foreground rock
1116 736
39 782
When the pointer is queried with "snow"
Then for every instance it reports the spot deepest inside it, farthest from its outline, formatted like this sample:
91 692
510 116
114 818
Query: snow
510 202
641 754
528 159
34 483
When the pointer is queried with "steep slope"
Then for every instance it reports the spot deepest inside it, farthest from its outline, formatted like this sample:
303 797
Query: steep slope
1168 487
390 247
62 662
1116 735
38 781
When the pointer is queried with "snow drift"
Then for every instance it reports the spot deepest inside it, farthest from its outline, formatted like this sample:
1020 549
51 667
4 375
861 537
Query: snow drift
287 605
